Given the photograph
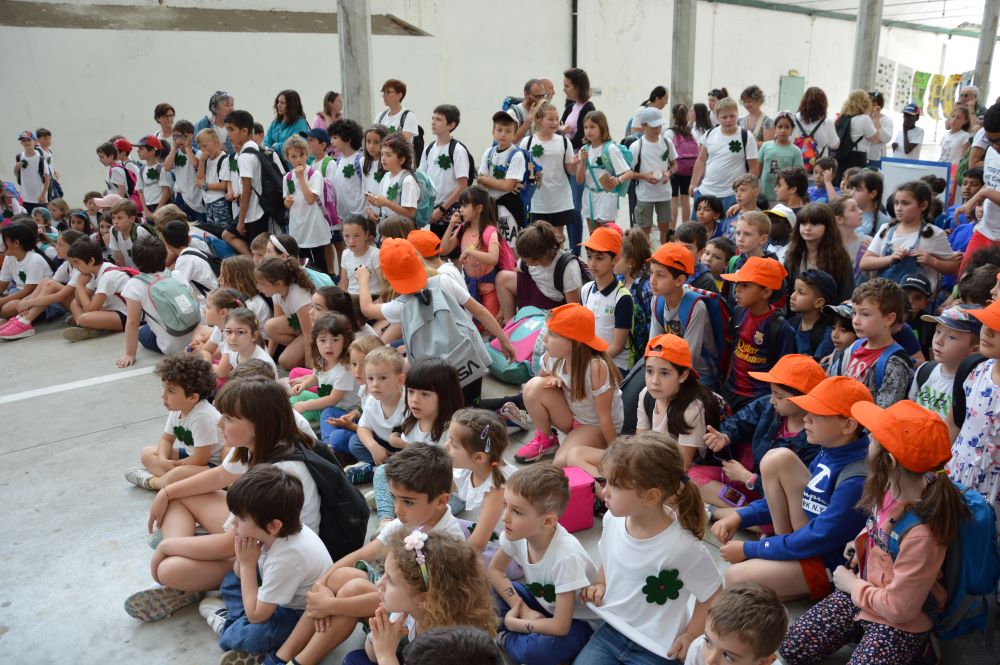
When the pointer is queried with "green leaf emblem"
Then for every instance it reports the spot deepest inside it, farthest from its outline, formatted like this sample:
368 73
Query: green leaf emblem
444 162
537 150
22 276
293 322
181 160
348 171
184 435
324 390
663 587
393 192
735 146
539 590
152 174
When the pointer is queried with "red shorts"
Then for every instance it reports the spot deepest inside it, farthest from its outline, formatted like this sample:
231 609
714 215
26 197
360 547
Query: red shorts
976 242
817 578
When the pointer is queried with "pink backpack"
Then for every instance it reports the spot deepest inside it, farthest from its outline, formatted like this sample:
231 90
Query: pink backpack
506 260
687 153
327 199
131 190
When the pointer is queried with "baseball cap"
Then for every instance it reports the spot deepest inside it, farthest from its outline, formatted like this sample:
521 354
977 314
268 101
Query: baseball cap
402 266
918 281
426 242
123 145
27 134
671 348
990 317
844 309
651 116
797 371
317 133
781 210
911 109
957 318
834 396
604 240
916 437
150 141
759 270
674 255
107 200
576 322
822 281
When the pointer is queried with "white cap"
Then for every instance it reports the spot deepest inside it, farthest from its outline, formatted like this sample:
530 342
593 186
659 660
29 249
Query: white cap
651 116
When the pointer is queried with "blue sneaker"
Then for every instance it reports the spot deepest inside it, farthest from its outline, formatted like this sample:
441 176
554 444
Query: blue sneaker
360 473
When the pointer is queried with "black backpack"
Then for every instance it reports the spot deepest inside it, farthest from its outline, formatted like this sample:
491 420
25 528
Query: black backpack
562 263
451 155
271 198
958 387
846 147
343 512
214 263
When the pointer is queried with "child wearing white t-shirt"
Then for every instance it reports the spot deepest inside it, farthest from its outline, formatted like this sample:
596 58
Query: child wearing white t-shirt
447 163
95 308
125 230
190 441
359 250
24 269
399 192
303 188
601 169
348 176
154 183
553 200
182 164
381 414
33 173
653 559
502 172
213 178
724 157
953 143
655 159
290 288
336 391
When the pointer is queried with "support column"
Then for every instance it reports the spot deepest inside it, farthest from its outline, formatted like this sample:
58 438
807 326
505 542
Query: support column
354 34
866 44
682 57
984 56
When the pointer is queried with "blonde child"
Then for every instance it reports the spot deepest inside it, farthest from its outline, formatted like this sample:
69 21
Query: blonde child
59 210
382 411
303 188
336 391
553 200
359 250
212 177
154 184
190 441
240 334
653 560
208 341
336 432
288 285
399 191
600 168
577 390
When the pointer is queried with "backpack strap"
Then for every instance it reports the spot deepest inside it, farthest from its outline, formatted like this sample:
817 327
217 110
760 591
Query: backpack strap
687 307
856 469
773 328
648 404
924 373
659 310
559 274
381 117
638 156
883 360
958 388
326 162
900 527
402 120
744 135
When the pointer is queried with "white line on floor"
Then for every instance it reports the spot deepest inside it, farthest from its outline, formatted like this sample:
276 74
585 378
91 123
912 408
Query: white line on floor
85 383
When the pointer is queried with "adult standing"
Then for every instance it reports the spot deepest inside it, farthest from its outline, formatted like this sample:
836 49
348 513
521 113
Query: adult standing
524 111
714 95
394 117
755 121
164 115
289 120
811 120
659 97
877 150
219 106
864 131
576 87
550 89
333 110
969 98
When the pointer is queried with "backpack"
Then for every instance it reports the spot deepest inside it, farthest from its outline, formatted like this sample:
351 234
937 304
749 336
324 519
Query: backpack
512 103
130 183
435 325
418 138
806 143
427 201
687 153
970 568
220 248
523 331
649 404
622 188
343 512
176 309
327 199
471 175
529 181
846 147
893 349
271 194
718 317
134 233
562 264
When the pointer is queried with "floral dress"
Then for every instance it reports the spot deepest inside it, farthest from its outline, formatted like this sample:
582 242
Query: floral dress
975 460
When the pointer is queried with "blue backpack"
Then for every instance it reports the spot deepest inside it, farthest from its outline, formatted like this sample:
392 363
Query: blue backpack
970 569
425 204
890 351
529 181
718 317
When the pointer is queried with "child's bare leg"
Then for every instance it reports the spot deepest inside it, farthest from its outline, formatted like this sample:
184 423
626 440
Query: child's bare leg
10 308
664 228
215 554
507 293
328 255
235 242
294 354
584 436
103 320
154 462
547 406
179 473
784 477
710 495
208 510
362 602
785 577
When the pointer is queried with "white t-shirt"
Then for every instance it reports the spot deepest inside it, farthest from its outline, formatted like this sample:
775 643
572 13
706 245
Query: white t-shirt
381 424
916 135
936 393
990 224
339 377
348 181
289 568
193 269
248 166
726 162
258 354
449 270
152 180
474 495
417 435
32 269
397 123
200 428
258 305
306 222
654 157
32 184
826 135
495 161
936 244
111 281
953 146
184 176
565 566
392 311
67 275
597 203
683 565
553 193
216 171
123 243
117 177
861 128
694 416
444 171
296 299
310 505
138 290
304 426
447 525
584 410
402 189
350 262
877 150
545 280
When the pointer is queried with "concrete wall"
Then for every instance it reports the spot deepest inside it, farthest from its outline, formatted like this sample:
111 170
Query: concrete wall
86 85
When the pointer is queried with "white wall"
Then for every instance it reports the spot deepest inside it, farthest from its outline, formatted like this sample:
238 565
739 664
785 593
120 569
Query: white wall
86 85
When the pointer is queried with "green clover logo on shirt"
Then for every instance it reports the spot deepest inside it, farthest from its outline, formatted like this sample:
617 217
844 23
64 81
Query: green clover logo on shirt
180 160
348 171
546 591
24 163
393 192
184 435
735 146
500 171
293 322
537 150
666 155
324 390
444 162
291 186
660 588
21 276
152 174
232 164
379 174
392 129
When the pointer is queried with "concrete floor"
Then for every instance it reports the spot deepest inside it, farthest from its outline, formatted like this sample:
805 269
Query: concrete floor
75 530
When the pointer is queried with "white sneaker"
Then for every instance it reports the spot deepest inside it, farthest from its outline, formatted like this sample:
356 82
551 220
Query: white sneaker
215 613
370 498
139 477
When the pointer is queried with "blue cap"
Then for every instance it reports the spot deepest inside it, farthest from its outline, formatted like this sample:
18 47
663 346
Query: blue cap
27 134
957 318
911 109
822 281
317 133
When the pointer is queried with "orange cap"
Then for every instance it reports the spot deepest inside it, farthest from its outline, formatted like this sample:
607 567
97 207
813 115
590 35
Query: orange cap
604 240
426 242
576 322
759 270
833 397
674 255
671 348
402 266
795 370
989 316
916 437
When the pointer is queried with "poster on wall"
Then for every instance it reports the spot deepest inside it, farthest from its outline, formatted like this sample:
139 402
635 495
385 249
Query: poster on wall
884 75
934 91
948 95
904 86
920 81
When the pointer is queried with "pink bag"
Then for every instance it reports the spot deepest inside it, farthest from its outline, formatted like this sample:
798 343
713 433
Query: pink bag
327 199
579 513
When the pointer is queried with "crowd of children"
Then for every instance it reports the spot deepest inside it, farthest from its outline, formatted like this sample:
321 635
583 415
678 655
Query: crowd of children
807 359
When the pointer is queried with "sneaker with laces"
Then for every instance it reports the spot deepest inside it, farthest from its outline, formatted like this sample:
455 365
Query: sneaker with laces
234 657
541 446
73 335
215 613
514 416
140 477
360 473
16 328
158 603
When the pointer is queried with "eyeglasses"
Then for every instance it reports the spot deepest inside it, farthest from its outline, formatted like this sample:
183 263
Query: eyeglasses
388 92
239 332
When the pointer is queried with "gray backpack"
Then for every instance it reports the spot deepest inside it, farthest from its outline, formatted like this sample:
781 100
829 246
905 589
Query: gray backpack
176 309
436 326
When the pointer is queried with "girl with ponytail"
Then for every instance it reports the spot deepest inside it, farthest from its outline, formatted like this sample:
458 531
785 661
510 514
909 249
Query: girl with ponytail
654 560
288 285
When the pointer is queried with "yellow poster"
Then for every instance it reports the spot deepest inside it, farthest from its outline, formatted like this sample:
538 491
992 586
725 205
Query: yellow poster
949 93
934 96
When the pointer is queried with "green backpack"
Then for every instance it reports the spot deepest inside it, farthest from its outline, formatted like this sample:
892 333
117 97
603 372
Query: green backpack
622 188
174 304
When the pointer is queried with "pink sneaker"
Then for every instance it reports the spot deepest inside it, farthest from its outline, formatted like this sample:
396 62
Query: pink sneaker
541 446
16 328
